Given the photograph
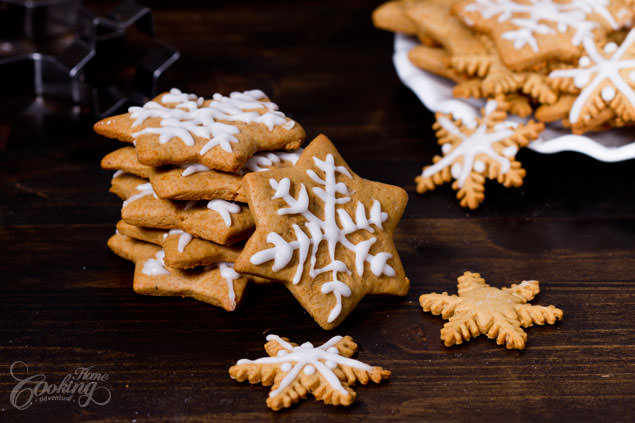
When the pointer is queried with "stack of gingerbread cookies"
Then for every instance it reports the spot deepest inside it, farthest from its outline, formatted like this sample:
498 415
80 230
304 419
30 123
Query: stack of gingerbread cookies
565 61
183 218
217 192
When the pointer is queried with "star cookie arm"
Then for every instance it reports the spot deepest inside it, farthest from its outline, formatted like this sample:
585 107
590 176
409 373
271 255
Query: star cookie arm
507 332
469 281
471 194
539 315
461 326
442 304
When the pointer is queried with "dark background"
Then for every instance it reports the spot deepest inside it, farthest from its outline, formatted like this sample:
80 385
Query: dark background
67 302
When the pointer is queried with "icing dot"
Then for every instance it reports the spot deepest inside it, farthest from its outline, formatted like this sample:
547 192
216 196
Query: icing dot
456 170
445 148
307 346
631 76
510 151
286 367
581 80
610 47
330 364
308 369
584 61
479 166
281 353
608 93
333 350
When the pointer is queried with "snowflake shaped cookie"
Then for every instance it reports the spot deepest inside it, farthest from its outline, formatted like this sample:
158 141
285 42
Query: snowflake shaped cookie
605 78
220 133
473 151
325 232
326 371
531 32
481 309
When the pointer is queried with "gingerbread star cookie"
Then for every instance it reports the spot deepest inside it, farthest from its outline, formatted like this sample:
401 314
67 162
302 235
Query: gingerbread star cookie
604 79
482 309
475 150
529 33
326 371
221 133
325 233
219 285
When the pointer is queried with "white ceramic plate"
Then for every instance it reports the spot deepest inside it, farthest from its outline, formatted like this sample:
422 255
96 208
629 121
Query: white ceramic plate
435 93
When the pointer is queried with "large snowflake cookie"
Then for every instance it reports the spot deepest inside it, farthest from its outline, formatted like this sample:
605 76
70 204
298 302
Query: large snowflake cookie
603 83
481 309
326 371
529 33
475 150
325 232
221 133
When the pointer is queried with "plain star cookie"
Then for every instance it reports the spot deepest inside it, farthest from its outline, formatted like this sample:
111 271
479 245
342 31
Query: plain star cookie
473 151
481 309
327 371
325 233
220 133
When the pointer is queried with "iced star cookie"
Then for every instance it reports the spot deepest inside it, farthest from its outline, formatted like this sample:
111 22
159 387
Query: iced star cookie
481 309
530 33
604 79
222 133
196 181
219 285
473 151
182 250
325 233
327 371
219 221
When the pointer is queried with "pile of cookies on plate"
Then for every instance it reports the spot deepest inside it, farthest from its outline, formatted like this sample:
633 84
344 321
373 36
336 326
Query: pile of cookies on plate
566 61
217 192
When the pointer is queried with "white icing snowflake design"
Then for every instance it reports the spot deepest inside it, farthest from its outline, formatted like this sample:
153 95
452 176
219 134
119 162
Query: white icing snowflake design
192 116
595 68
308 359
480 141
537 13
327 229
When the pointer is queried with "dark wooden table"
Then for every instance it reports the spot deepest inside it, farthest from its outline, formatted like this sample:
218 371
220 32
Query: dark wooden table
66 301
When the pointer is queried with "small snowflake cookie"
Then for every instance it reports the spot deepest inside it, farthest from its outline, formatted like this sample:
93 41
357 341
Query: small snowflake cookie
475 150
326 371
603 85
325 233
482 309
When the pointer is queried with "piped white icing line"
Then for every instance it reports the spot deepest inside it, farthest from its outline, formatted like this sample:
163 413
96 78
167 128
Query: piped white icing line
155 266
308 359
225 209
192 116
595 69
326 229
193 168
117 173
144 190
184 238
480 141
541 16
263 161
230 275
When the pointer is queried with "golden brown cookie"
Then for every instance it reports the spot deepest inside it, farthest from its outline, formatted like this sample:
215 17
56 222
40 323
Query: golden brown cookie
473 151
221 133
325 233
218 221
219 285
482 309
528 34
182 250
391 16
326 371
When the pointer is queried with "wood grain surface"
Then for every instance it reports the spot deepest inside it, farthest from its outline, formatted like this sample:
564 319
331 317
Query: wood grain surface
67 302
